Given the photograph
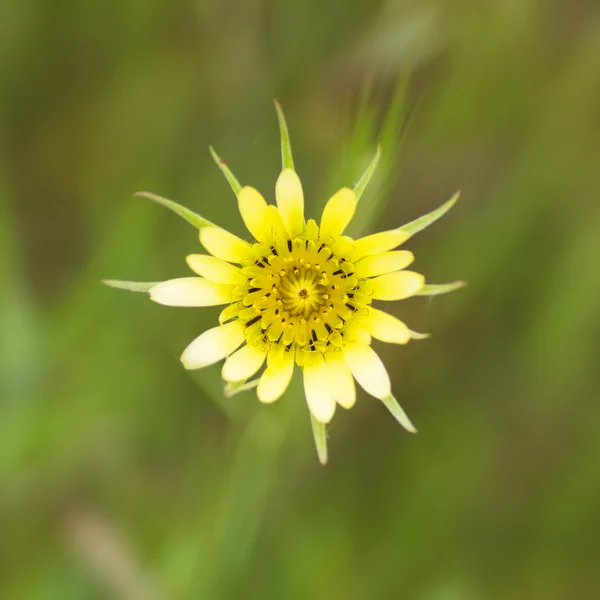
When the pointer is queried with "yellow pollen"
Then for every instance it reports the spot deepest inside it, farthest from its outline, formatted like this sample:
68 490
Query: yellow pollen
282 273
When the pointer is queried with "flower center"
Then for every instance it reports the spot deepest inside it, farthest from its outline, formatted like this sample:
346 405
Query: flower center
301 294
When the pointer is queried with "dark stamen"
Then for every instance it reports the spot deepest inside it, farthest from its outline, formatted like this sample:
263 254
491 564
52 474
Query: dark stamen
252 321
253 290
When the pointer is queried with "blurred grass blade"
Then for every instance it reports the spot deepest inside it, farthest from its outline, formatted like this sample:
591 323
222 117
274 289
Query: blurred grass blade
441 288
363 124
231 389
287 162
320 436
185 213
359 188
233 182
426 220
243 504
392 405
21 340
130 286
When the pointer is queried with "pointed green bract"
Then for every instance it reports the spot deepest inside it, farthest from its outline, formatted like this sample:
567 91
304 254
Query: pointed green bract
185 213
359 188
440 288
320 436
233 388
398 413
426 220
287 162
415 335
231 179
130 286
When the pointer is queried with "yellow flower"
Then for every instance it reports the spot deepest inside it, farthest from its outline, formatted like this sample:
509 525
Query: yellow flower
301 294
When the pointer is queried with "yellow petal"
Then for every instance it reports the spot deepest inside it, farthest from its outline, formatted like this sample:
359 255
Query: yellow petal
252 208
386 262
191 291
229 312
338 212
386 327
277 376
343 389
396 286
225 245
215 269
243 363
213 345
311 231
274 225
379 242
317 389
290 200
368 370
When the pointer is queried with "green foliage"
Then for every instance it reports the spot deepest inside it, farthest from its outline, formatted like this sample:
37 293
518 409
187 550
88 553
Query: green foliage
123 476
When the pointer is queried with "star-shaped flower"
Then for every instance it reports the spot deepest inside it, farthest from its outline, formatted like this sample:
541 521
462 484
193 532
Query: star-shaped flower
300 294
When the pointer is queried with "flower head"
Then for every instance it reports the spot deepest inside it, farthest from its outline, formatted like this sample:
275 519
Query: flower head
301 293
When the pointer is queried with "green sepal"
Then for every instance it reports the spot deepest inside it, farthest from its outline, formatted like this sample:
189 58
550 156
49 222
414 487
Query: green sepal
398 412
359 188
426 220
440 288
185 213
231 179
320 437
287 162
415 335
130 286
233 388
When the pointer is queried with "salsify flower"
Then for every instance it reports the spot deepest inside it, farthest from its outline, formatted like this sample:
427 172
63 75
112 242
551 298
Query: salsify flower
300 294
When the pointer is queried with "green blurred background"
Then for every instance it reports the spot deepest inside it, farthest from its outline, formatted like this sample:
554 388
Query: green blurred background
123 476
